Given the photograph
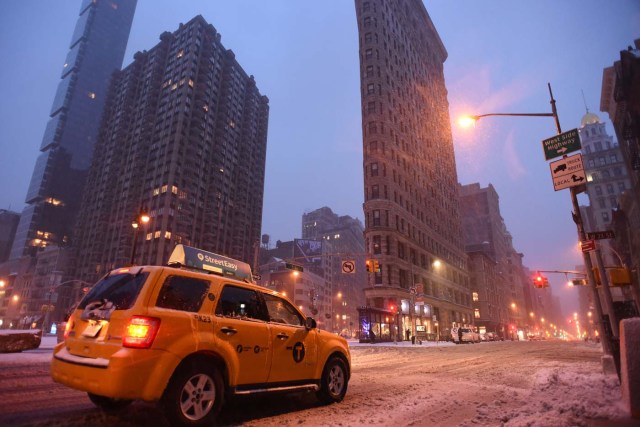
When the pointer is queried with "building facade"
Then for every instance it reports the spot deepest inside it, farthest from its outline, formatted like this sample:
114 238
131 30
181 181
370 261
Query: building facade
498 293
184 139
620 98
53 199
412 221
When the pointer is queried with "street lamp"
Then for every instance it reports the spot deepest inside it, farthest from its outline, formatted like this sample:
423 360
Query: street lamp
577 216
142 219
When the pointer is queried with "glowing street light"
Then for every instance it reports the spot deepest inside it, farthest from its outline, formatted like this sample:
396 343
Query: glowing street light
142 219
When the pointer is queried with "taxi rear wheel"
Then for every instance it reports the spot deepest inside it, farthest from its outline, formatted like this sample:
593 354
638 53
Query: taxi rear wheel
194 395
333 384
108 403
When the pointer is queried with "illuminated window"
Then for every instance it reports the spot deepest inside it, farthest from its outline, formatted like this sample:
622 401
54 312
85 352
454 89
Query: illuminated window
167 235
475 297
156 191
180 54
92 95
476 313
174 189
190 82
164 189
149 236
156 234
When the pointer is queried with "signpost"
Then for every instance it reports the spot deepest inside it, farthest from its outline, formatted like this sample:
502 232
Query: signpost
600 235
568 172
561 144
294 267
588 245
349 266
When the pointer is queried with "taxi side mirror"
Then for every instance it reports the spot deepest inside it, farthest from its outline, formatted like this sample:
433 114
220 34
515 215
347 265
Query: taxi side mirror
310 323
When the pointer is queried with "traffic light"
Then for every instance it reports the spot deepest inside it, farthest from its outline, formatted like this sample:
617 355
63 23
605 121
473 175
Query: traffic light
618 276
376 266
539 281
392 308
369 265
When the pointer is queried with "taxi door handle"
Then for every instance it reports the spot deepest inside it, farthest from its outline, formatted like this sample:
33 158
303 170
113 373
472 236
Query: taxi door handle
228 331
282 336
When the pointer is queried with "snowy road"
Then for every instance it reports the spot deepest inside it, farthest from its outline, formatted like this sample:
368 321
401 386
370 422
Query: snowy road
489 384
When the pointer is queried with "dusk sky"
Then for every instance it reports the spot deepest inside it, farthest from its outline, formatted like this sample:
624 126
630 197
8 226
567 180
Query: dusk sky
304 56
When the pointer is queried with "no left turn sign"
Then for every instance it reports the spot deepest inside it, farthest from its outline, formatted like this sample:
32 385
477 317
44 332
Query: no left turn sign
348 267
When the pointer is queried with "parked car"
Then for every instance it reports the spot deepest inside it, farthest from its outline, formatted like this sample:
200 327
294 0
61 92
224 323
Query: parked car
468 335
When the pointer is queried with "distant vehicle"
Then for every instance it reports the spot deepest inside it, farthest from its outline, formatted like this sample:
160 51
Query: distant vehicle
560 168
468 336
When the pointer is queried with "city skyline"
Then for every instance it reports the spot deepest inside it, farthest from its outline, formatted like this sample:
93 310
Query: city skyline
502 70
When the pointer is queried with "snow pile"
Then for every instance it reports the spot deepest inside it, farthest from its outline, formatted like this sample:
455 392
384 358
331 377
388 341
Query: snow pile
568 396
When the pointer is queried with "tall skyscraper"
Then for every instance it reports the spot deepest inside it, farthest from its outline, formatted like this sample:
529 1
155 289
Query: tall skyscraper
412 220
53 199
184 137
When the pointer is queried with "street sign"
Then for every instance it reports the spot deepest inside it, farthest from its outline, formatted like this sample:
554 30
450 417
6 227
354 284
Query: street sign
588 245
599 235
562 144
294 267
567 172
349 266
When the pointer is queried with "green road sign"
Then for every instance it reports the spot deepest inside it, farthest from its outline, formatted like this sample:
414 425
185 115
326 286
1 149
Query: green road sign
562 144
294 267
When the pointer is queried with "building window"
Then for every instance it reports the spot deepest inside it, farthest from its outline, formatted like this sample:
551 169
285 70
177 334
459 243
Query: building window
621 186
610 188
371 107
371 89
614 202
375 193
598 190
605 216
475 296
601 203
376 218
374 169
476 313
377 247
369 72
613 158
368 53
92 95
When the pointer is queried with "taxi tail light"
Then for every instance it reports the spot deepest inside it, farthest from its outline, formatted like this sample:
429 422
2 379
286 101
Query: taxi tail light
140 332
68 326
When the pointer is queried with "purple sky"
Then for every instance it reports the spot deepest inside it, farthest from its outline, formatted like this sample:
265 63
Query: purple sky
304 56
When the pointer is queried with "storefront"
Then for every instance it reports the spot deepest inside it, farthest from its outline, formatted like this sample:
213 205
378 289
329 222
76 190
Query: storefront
377 325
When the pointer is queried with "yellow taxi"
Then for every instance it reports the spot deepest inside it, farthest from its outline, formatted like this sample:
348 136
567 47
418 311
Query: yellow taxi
190 333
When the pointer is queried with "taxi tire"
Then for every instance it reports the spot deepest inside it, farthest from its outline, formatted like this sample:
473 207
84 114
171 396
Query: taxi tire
198 373
108 404
334 381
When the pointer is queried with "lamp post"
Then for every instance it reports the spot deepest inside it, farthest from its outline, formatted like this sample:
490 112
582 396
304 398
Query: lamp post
142 219
577 216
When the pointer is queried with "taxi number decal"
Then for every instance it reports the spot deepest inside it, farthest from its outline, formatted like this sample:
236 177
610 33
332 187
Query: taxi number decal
298 352
201 318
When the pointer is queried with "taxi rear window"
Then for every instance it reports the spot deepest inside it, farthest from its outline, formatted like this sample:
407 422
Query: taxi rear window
119 289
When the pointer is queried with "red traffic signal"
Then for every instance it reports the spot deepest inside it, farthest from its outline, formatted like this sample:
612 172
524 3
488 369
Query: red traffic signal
539 281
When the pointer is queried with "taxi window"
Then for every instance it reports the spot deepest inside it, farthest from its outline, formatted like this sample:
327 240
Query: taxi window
240 303
119 289
182 293
281 311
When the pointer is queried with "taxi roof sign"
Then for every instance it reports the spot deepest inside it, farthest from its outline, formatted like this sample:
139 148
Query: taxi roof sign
187 256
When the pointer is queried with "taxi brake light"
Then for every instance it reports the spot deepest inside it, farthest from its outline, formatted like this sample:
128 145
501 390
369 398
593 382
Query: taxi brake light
68 326
140 332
